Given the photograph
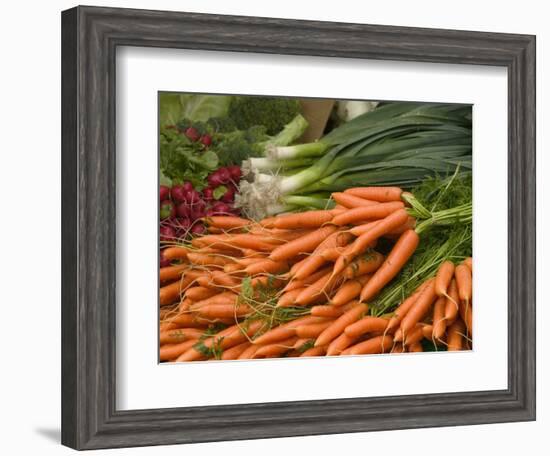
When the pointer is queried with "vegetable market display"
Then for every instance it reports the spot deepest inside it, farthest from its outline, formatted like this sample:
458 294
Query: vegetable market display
358 243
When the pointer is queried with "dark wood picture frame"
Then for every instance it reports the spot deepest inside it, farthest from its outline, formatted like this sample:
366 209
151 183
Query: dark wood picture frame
90 36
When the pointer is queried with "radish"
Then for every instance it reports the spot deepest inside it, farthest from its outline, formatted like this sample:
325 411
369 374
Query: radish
198 210
178 193
164 192
214 179
183 210
192 134
225 176
208 193
167 233
235 172
221 208
167 209
229 195
198 228
188 186
192 196
163 261
206 140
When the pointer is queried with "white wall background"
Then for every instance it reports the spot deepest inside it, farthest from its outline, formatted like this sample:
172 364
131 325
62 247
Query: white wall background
30 240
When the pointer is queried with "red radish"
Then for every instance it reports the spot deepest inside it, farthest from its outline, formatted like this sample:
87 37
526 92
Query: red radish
206 140
228 196
235 172
182 226
192 134
221 208
164 261
167 233
167 209
178 193
208 194
198 228
198 209
214 179
164 192
188 186
183 210
225 176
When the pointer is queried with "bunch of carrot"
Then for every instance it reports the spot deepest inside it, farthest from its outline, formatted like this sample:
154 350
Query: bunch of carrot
299 285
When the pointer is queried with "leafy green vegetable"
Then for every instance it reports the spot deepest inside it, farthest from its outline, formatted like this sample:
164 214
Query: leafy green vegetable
219 191
271 112
183 160
176 106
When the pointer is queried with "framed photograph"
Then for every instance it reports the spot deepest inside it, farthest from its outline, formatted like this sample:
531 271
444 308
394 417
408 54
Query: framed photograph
280 228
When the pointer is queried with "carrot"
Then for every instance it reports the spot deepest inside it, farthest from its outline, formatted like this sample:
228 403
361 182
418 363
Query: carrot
410 224
304 244
235 352
285 330
360 214
427 331
463 276
248 353
398 347
172 272
307 219
169 293
443 277
203 259
294 284
226 222
366 325
327 311
316 259
224 311
381 194
366 264
416 334
349 201
312 330
314 351
455 335
288 299
358 230
468 262
465 310
451 305
175 253
317 290
379 344
419 308
399 255
404 307
416 347
361 244
199 293
175 336
280 236
275 349
185 320
349 290
266 267
171 351
338 345
223 298
224 280
331 254
439 323
338 326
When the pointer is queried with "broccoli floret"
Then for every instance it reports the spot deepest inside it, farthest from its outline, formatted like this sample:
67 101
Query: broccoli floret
271 112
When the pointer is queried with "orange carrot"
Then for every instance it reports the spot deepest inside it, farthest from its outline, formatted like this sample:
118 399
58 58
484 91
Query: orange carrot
316 291
308 219
362 243
224 280
175 253
338 326
203 259
358 230
223 298
443 277
468 262
410 224
199 293
366 264
277 348
361 214
248 353
327 311
379 344
455 335
235 352
465 310
451 305
349 201
171 351
169 293
304 244
404 307
366 325
416 347
349 290
381 194
427 331
175 336
172 272
285 330
398 347
289 298
314 351
399 255
419 308
294 284
185 320
226 222
224 311
338 345
439 323
463 276
312 330
266 267
414 335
